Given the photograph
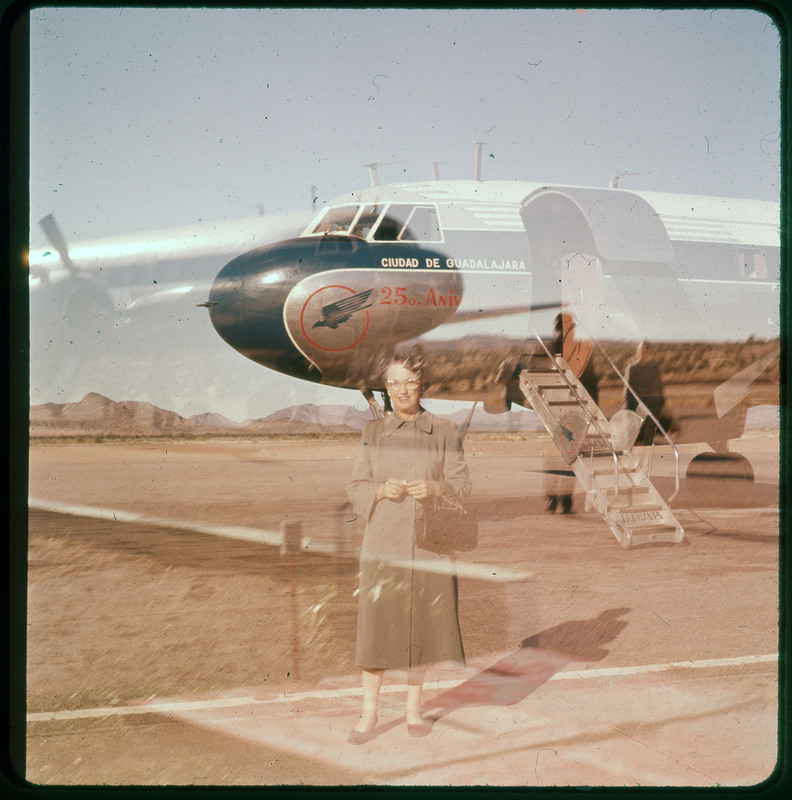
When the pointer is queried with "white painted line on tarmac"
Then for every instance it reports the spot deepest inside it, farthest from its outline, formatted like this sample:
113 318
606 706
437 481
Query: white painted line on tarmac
707 663
486 572
329 694
273 538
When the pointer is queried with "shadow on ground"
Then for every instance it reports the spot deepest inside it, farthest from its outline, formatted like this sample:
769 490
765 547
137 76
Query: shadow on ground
536 660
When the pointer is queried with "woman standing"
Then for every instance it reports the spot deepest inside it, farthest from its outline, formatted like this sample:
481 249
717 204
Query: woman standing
407 600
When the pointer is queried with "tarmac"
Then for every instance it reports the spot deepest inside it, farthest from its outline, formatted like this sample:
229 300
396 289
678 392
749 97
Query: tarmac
588 665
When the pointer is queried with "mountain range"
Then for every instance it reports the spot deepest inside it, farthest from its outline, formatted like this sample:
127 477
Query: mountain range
96 415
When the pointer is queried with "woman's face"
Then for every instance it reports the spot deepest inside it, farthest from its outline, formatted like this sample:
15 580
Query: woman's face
404 388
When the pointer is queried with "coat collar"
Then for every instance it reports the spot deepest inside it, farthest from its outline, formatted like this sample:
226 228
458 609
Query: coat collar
393 422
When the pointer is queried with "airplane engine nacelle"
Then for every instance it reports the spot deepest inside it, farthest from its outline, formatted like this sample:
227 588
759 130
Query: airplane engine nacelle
78 300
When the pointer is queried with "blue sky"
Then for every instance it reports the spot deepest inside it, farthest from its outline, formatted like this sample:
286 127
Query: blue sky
151 118
158 117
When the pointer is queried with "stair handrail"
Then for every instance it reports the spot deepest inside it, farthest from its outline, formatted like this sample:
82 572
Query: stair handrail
605 438
649 414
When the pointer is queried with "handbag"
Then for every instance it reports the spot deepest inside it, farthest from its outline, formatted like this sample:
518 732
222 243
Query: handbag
447 529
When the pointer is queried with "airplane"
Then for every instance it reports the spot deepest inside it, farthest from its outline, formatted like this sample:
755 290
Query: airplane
474 273
95 305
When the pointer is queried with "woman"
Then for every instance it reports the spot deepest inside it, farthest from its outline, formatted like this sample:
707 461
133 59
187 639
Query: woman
407 598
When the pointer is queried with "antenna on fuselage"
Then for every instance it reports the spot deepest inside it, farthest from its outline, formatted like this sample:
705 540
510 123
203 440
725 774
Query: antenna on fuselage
372 167
435 165
614 181
477 169
373 177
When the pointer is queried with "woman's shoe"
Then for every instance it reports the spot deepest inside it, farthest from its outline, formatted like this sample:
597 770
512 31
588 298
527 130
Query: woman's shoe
422 729
361 737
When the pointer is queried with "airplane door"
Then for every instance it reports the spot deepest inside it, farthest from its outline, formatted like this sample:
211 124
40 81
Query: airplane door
581 288
609 252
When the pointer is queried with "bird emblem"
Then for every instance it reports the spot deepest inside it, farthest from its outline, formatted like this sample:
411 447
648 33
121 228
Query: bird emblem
568 433
333 314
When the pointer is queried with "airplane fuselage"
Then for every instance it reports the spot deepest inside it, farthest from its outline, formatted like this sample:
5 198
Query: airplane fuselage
474 272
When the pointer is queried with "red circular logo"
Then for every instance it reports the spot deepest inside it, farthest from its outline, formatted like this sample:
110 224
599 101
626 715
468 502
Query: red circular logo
335 318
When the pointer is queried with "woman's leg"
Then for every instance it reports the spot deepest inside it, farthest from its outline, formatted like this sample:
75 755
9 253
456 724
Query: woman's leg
372 681
415 680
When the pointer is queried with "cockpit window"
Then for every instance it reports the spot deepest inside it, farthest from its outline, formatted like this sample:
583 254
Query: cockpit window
423 225
366 221
400 222
336 219
408 223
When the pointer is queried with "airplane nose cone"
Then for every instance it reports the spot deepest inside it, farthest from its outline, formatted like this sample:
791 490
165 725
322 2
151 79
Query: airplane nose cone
246 305
246 302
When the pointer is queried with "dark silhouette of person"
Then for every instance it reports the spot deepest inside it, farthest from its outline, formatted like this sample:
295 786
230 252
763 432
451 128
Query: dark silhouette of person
578 357
643 375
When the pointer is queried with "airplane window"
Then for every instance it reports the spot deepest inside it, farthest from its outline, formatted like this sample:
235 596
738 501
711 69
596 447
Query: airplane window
752 263
422 226
405 223
389 228
366 221
336 220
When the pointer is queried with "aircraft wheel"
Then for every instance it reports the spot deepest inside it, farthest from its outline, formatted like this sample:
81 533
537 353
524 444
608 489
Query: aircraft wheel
720 476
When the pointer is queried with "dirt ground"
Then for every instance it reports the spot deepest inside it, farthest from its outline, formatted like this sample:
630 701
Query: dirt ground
120 613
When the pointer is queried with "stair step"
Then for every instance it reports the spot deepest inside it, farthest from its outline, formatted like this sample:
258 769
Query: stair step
656 533
597 444
640 516
606 467
626 489
647 508
628 497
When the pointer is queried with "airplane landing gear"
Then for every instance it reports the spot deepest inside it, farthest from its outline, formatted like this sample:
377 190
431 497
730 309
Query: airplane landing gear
717 476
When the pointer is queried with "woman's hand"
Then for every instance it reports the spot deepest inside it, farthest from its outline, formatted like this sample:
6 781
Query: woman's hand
391 490
422 490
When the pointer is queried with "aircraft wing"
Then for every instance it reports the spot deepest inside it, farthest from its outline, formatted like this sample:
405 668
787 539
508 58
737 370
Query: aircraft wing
468 316
737 388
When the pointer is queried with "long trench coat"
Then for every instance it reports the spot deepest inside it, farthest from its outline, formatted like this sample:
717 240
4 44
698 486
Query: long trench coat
407 599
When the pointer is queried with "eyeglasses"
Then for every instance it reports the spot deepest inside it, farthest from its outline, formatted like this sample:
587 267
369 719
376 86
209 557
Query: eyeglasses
410 383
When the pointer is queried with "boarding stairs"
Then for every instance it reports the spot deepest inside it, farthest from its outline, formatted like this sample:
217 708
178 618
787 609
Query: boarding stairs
599 452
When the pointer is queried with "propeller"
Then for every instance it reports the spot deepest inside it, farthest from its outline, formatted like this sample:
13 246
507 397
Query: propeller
53 233
83 298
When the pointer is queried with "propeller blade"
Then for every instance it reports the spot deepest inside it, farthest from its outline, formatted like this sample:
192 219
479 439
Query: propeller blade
57 240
